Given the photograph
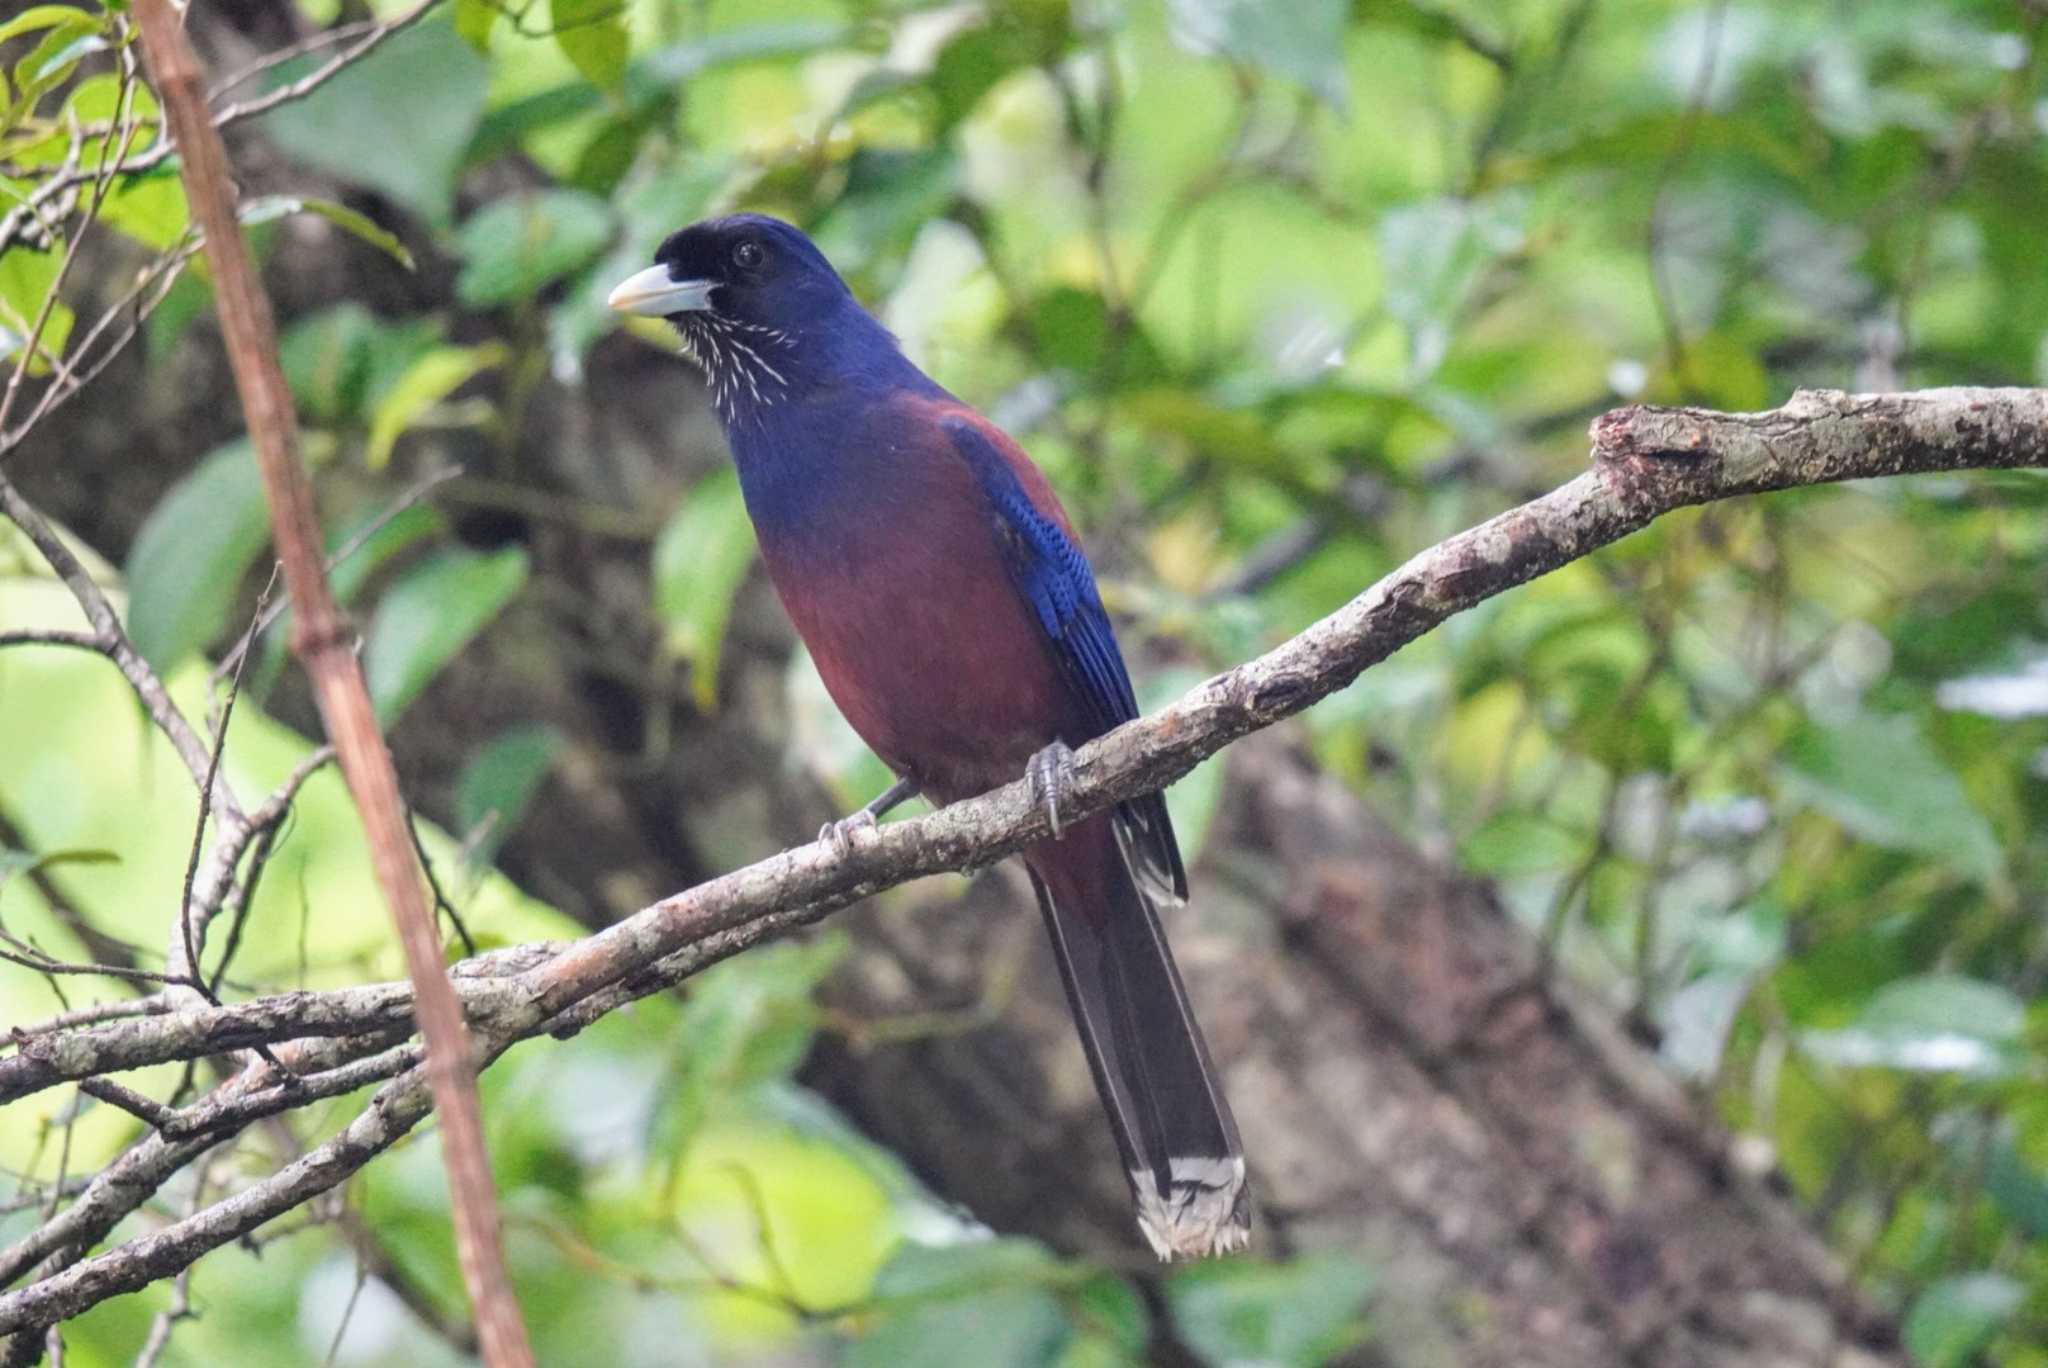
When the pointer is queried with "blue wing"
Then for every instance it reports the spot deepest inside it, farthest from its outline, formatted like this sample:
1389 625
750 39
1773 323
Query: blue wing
1049 570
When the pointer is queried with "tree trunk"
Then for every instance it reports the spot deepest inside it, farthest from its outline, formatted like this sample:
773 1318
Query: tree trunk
1530 1187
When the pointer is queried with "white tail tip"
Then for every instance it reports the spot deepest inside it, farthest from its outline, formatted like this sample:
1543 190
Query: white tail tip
1203 1214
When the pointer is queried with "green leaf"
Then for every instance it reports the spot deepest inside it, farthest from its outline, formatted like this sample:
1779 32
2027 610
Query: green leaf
326 360
1880 777
1514 842
398 121
1697 1018
26 279
37 17
888 197
13 862
265 208
609 155
426 619
652 81
405 528
975 61
1935 1023
675 64
499 782
350 572
1950 1002
474 20
748 1022
148 206
592 35
425 383
991 1294
1223 434
1301 40
150 209
1433 254
190 295
2019 1190
700 561
51 61
1952 1321
1114 1310
341 361
191 554
512 247
1303 1312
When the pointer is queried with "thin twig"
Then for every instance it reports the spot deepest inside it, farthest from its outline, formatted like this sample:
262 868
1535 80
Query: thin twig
190 936
268 615
102 182
166 1321
50 636
259 858
145 1109
150 287
442 904
348 1312
225 117
99 611
458 1332
322 645
116 1009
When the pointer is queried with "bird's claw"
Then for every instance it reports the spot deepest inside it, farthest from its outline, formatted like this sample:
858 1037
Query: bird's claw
840 833
1051 773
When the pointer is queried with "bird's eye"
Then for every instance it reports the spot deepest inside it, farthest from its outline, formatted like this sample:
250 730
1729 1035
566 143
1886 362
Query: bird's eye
747 254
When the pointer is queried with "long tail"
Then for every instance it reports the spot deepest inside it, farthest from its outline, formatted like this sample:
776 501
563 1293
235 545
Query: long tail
1171 1121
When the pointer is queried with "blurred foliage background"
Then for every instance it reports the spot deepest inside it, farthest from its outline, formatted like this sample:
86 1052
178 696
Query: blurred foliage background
1279 294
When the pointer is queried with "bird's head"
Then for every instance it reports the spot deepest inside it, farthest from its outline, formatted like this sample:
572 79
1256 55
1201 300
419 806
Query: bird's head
757 304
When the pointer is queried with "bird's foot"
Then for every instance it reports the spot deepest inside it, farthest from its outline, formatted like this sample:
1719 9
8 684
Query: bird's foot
1051 773
840 834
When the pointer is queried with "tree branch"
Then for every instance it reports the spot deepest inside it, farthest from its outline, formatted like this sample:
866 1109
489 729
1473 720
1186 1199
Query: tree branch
1647 462
108 636
15 220
325 647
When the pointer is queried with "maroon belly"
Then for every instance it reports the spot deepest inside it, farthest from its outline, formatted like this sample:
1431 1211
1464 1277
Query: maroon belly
930 653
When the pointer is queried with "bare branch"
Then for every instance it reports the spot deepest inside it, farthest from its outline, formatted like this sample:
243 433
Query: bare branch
134 307
250 1096
54 186
94 1013
102 177
269 613
324 647
1647 462
44 636
145 1109
395 1109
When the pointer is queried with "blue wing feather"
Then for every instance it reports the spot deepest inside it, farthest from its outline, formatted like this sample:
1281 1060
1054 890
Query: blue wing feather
1053 575
1049 570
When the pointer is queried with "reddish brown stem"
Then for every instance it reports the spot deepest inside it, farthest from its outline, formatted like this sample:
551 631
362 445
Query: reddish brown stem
323 645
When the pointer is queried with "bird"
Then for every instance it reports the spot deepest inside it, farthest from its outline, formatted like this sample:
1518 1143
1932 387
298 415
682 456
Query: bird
945 600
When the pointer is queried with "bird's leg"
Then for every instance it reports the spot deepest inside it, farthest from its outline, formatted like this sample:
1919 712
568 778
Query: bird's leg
1051 773
840 833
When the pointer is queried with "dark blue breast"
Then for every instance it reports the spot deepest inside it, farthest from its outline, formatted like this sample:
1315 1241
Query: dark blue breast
834 467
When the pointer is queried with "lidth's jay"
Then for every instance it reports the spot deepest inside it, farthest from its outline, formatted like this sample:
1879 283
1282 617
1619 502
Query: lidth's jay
938 584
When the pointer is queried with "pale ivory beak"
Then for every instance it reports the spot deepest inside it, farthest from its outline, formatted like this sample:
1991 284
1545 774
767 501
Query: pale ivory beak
653 293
